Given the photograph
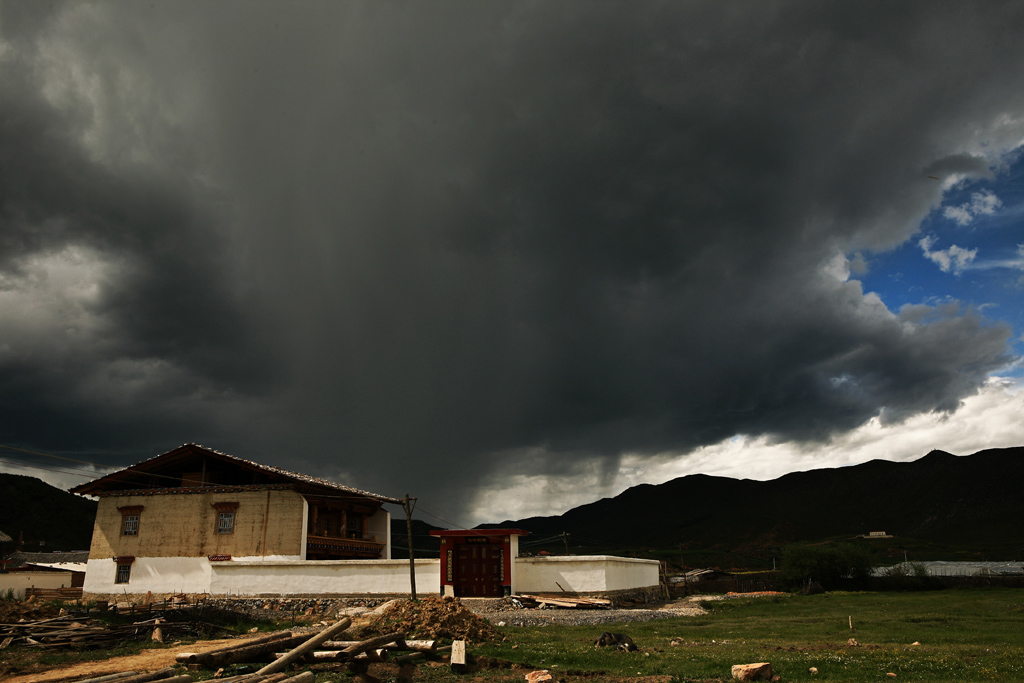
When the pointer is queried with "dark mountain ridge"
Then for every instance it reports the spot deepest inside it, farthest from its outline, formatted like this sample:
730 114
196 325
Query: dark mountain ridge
43 517
942 498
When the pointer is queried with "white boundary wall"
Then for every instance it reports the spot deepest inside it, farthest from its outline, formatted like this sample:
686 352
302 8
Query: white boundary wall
17 582
583 574
158 574
326 577
283 576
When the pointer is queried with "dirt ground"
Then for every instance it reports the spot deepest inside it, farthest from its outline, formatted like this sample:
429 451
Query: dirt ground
147 660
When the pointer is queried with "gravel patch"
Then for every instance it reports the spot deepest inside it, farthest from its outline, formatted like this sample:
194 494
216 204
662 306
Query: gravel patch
587 617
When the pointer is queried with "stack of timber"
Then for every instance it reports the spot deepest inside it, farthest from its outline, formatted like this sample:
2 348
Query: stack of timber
67 631
286 649
564 601
163 676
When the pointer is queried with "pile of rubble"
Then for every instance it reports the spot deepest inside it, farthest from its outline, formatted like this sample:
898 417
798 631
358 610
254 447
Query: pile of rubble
12 611
432 617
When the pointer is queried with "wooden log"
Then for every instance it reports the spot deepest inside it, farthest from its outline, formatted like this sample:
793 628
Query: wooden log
418 645
107 678
249 642
252 653
304 677
411 657
373 655
253 678
458 660
203 657
321 656
309 645
338 644
374 643
167 673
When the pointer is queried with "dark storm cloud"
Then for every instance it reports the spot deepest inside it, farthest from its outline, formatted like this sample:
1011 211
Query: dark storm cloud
454 230
164 317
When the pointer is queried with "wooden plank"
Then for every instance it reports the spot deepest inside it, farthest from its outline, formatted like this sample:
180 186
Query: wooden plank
458 660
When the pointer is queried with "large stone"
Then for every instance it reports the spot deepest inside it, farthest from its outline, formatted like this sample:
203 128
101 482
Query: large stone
761 671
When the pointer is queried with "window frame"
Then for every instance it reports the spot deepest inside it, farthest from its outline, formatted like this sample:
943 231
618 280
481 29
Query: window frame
226 510
226 516
123 569
131 519
122 573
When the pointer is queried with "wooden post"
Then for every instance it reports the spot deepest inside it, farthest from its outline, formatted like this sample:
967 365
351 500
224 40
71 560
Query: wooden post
410 504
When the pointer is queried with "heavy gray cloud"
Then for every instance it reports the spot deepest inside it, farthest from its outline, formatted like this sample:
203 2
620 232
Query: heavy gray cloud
391 241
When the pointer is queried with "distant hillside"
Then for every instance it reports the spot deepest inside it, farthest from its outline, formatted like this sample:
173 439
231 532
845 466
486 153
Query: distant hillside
968 501
423 544
46 517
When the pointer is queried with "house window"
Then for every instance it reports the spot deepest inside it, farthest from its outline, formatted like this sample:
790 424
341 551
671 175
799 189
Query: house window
130 519
124 568
225 516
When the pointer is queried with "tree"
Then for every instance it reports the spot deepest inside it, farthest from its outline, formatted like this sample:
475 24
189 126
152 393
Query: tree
825 565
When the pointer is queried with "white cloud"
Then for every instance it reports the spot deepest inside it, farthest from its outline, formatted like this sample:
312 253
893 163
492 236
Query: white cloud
982 203
989 419
955 259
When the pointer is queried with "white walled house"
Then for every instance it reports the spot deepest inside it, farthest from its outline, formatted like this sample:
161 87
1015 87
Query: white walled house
162 524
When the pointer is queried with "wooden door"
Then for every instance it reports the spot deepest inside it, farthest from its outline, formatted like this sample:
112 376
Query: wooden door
478 571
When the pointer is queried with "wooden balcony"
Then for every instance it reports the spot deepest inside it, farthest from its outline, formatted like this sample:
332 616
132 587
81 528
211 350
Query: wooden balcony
333 547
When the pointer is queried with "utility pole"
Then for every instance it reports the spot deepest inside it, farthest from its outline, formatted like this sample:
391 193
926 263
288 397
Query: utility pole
565 540
409 504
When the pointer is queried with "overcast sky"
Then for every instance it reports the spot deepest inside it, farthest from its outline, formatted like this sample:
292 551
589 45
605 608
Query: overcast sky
510 257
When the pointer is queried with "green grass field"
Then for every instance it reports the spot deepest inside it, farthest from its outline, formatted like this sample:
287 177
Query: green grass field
970 635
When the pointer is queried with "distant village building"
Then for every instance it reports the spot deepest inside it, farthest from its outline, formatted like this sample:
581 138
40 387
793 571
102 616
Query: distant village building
56 574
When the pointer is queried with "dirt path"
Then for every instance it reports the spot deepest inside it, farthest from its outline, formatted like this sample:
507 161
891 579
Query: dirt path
147 660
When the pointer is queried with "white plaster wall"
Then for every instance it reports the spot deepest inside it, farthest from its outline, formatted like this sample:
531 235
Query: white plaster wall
343 577
160 575
626 572
379 526
305 528
157 574
514 548
583 574
19 581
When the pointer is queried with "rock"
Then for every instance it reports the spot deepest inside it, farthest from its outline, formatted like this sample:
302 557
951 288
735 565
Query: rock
776 678
813 670
761 671
891 675
537 676
852 642
915 643
384 608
